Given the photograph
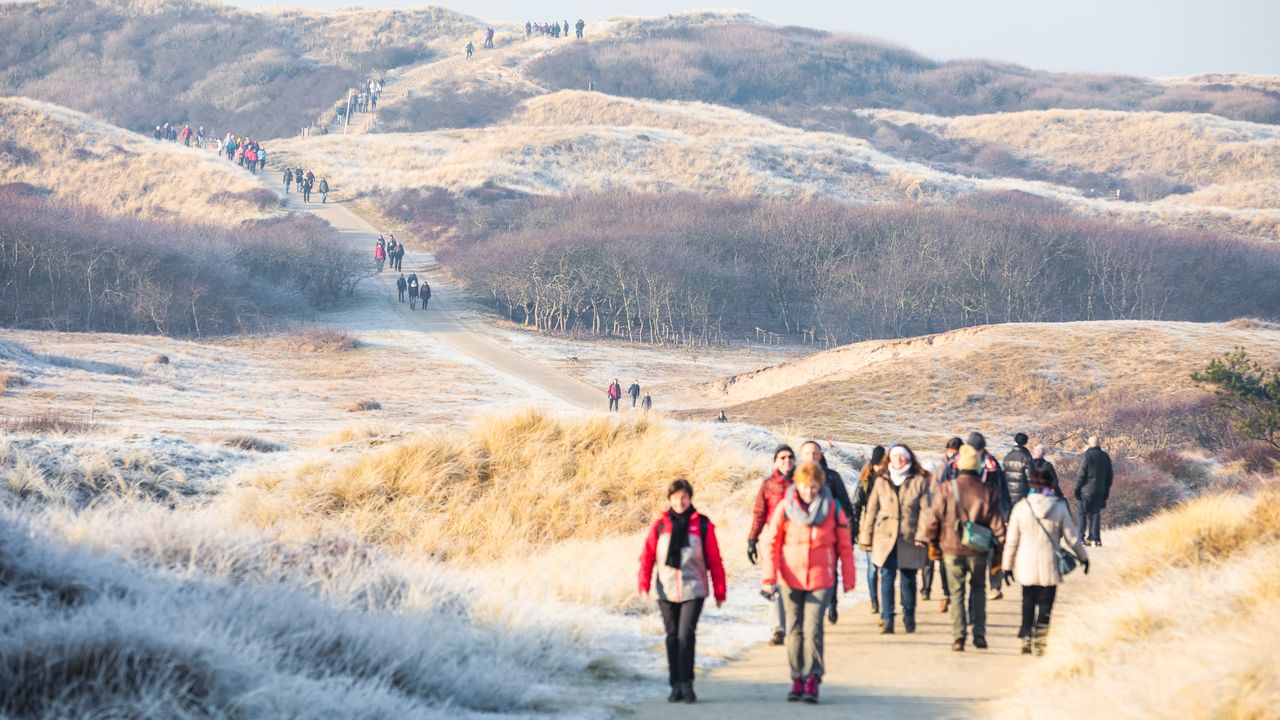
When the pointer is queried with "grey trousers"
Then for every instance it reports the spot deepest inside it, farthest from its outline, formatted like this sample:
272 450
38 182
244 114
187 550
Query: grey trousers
806 612
966 576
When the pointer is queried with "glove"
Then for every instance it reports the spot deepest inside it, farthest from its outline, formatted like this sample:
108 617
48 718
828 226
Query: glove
767 592
751 551
1008 577
1085 564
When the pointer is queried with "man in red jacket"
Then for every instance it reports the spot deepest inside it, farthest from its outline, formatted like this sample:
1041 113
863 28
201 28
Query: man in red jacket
615 392
772 490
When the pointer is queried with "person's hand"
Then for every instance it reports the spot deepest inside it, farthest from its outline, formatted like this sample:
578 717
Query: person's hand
719 603
1085 564
1008 577
644 594
767 591
921 545
751 551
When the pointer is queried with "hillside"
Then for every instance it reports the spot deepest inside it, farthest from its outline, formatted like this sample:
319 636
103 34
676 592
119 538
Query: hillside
1002 378
190 61
83 161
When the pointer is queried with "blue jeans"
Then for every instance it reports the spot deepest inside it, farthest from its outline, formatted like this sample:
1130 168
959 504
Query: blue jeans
908 582
872 571
1092 522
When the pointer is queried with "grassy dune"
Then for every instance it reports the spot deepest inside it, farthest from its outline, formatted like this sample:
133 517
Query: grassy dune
87 162
1194 600
507 485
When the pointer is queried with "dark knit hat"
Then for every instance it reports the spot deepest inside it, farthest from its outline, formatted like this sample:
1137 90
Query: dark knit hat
1020 439
954 443
976 441
783 448
877 455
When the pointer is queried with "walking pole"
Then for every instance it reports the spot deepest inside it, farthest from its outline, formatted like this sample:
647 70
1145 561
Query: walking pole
347 119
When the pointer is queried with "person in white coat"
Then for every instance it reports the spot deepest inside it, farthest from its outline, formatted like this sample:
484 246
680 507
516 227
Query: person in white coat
1037 525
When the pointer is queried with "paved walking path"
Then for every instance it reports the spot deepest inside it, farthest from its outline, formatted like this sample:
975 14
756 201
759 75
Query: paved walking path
441 320
872 676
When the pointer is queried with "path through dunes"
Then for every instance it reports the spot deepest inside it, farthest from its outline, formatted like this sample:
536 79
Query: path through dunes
441 320
879 677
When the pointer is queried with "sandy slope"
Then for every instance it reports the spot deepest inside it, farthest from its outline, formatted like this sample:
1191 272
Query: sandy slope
440 322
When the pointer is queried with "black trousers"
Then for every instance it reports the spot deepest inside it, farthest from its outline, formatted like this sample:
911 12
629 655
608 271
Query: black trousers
926 578
1037 605
681 623
613 403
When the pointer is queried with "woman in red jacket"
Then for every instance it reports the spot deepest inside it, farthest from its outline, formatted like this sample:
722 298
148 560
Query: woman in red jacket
685 541
809 533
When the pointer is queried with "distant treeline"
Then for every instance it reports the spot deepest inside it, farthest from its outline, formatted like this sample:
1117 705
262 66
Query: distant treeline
684 268
813 79
69 268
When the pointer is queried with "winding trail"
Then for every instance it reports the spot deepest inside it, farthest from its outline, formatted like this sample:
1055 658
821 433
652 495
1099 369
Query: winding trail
441 321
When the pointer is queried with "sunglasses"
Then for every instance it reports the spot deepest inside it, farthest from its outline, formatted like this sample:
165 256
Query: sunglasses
786 457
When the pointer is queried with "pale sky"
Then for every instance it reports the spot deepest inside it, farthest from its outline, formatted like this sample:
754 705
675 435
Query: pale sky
1139 37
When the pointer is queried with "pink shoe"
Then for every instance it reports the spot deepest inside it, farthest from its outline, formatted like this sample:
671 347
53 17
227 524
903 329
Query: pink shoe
811 690
797 689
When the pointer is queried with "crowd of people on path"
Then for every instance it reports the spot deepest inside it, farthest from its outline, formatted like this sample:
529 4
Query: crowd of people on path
553 28
614 394
244 151
409 288
304 181
985 523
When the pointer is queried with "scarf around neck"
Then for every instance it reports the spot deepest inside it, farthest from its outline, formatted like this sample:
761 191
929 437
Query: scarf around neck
897 477
679 535
815 514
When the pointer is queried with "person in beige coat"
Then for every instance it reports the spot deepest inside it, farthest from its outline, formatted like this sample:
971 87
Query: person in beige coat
897 498
1037 526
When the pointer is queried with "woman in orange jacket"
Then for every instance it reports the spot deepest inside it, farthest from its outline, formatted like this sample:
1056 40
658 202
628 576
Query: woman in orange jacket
809 534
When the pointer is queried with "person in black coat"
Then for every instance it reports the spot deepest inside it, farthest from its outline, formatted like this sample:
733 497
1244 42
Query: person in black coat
425 293
1093 488
1017 469
634 392
402 285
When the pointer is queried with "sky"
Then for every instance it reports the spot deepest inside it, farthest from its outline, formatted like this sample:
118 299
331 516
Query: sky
1137 37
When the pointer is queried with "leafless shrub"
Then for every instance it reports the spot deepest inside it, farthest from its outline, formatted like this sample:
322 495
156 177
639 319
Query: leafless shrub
1257 457
48 424
260 198
160 360
252 443
366 405
318 339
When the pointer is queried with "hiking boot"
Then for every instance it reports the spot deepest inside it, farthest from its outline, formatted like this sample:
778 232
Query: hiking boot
797 689
832 614
1039 640
778 637
886 627
957 645
924 594
810 694
875 606
946 604
677 693
1026 646
980 642
689 697
996 595
909 623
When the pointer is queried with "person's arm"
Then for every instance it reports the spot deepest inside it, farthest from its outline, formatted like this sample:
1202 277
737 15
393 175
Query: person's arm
869 519
1014 537
997 523
759 514
716 564
931 519
773 549
1072 534
648 558
844 551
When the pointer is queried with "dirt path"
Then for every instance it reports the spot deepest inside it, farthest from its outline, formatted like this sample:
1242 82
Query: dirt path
441 321
872 676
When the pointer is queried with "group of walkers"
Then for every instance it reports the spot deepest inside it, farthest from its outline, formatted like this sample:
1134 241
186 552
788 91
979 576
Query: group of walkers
305 181
553 29
388 248
416 289
614 393
985 523
188 136
245 152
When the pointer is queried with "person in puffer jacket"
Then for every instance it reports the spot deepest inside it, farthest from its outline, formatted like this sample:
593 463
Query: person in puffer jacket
772 491
685 543
1037 526
809 534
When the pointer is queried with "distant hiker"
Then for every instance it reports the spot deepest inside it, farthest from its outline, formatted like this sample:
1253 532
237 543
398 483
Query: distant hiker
580 26
1017 468
566 28
398 259
379 255
306 190
634 392
1093 488
1038 461
528 29
965 530
262 159
935 552
186 135
425 292
158 134
682 546
288 178
811 451
866 482
809 549
488 38
899 495
1037 526
614 393
470 49
722 418
391 252
992 474
772 490
647 403
413 290
297 177
402 285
